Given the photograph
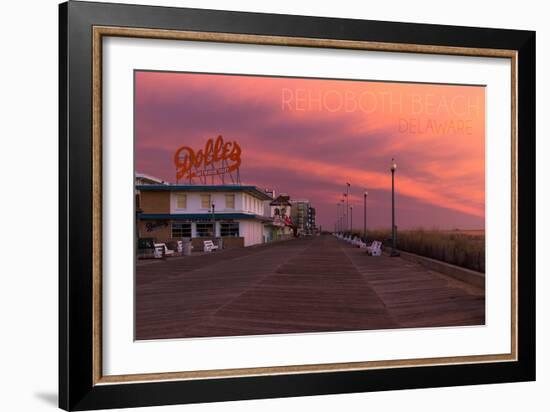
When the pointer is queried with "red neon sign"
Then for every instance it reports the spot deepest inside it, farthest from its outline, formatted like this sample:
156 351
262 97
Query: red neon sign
216 158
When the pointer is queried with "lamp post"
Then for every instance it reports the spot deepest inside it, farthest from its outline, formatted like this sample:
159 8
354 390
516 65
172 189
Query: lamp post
394 252
337 225
365 194
344 213
336 220
213 220
351 218
348 185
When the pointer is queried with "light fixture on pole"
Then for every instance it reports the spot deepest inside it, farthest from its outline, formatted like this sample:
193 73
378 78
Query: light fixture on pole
351 218
337 225
342 215
365 194
348 185
394 252
213 219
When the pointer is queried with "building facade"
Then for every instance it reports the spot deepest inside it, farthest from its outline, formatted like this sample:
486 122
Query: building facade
303 216
280 211
300 214
233 213
143 179
311 225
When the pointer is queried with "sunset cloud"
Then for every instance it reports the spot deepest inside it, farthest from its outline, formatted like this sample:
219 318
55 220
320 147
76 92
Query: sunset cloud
307 137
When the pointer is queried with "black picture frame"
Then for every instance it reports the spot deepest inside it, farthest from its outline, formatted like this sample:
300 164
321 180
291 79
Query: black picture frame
77 390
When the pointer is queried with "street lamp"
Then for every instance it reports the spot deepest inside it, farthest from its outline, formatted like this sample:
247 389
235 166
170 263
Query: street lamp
365 194
394 251
344 214
351 218
347 203
337 225
213 220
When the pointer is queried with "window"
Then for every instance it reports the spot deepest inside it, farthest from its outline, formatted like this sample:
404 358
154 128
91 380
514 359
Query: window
205 201
205 230
181 230
229 229
230 201
181 201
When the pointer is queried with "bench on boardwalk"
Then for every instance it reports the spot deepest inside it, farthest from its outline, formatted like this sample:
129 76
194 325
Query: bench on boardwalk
162 250
209 246
375 249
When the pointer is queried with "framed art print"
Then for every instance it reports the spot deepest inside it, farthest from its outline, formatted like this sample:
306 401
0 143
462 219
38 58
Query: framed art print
259 205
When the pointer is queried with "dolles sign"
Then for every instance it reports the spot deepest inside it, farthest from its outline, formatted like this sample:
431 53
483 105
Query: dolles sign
225 155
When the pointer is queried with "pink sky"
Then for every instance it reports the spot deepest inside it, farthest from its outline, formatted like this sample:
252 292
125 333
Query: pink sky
308 137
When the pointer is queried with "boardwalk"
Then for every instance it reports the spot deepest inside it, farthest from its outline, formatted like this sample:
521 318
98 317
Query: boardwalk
305 285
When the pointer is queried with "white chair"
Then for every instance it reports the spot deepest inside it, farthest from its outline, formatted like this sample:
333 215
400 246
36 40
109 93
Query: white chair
163 248
209 246
159 251
375 249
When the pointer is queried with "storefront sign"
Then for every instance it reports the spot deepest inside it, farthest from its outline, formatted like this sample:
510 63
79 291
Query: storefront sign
216 158
155 226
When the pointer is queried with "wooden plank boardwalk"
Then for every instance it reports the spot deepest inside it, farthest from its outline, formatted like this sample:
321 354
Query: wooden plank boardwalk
316 284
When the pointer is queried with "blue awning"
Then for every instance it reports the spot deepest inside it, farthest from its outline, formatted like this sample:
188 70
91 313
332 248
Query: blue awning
202 216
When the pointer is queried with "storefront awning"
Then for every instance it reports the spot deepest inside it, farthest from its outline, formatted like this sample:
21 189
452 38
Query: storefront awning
203 216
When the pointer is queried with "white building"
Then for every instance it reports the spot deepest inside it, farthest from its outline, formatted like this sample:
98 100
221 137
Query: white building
279 209
233 213
143 179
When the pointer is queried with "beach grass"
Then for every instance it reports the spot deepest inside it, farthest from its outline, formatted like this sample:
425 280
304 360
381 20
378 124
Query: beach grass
465 248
